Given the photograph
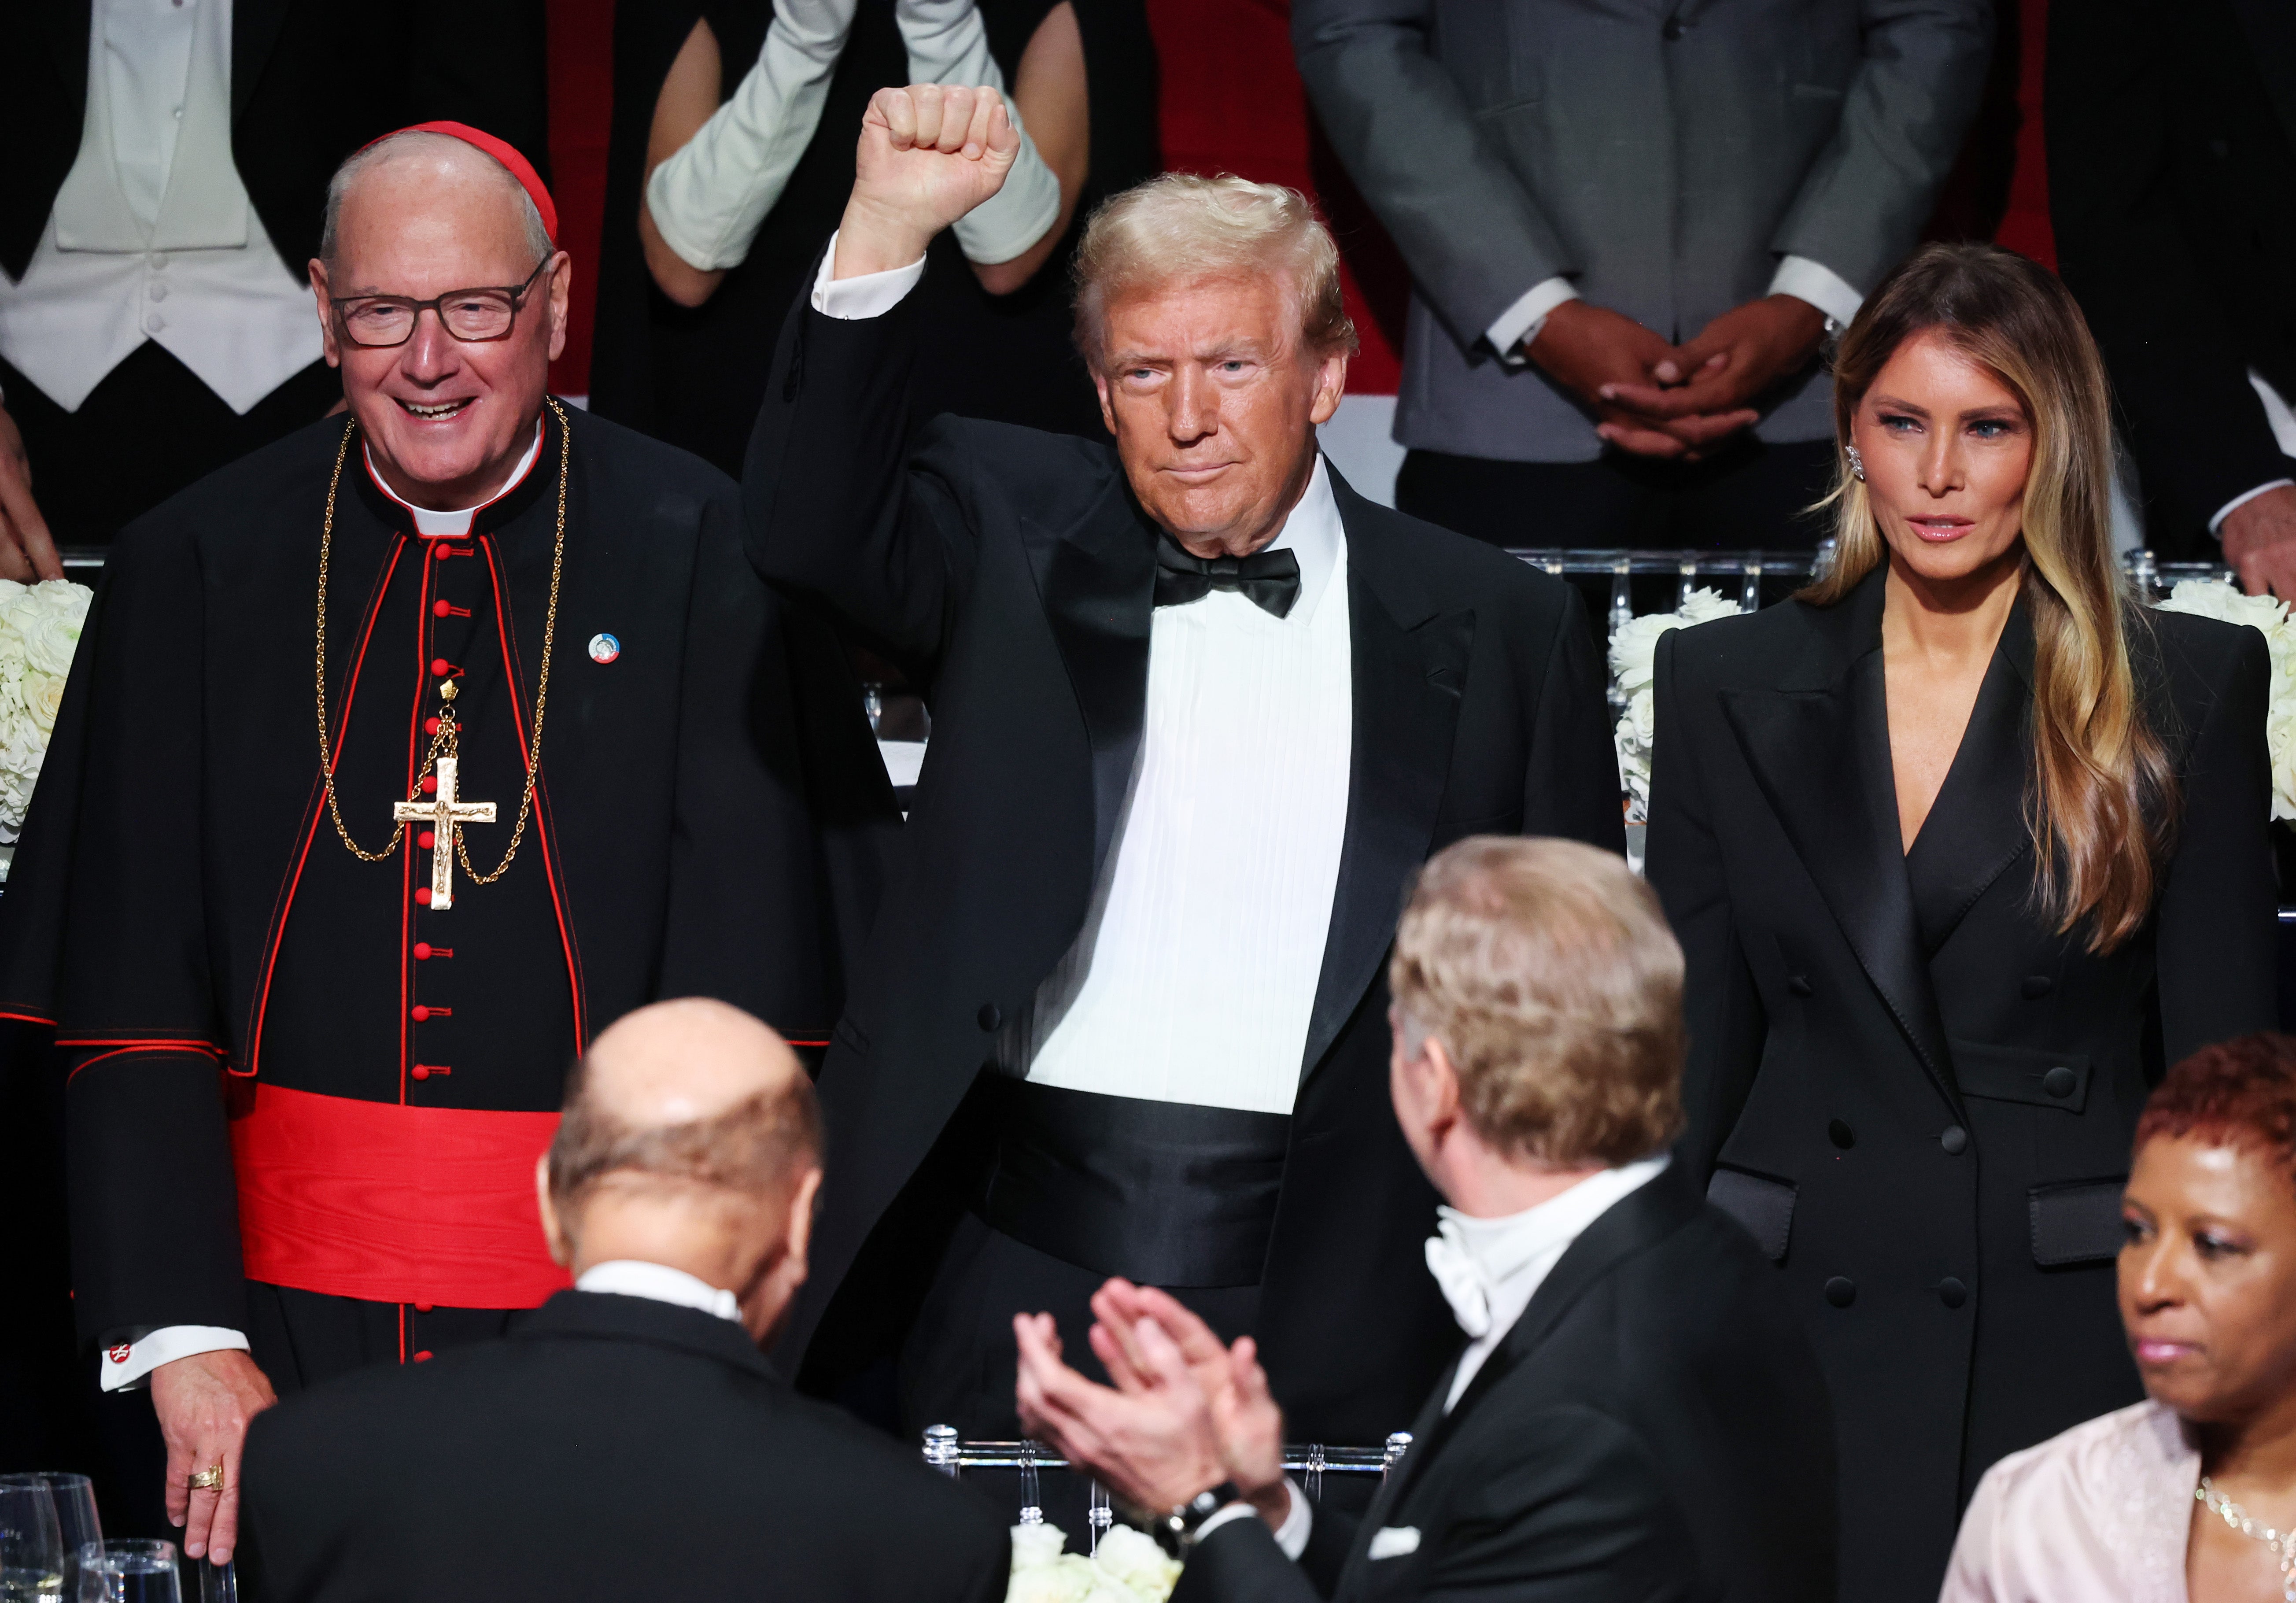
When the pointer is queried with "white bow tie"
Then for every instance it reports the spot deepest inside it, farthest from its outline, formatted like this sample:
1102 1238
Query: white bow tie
1461 1279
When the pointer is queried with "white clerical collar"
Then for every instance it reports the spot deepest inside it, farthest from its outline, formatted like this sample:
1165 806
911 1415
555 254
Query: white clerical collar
635 1277
1315 537
1504 1250
435 525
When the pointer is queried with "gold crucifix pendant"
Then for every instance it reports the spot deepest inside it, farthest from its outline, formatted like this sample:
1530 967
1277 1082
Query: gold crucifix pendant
444 815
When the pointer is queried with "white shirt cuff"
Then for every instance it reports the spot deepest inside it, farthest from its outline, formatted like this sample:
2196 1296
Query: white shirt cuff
1519 324
865 295
2216 524
130 1364
1291 1535
1820 285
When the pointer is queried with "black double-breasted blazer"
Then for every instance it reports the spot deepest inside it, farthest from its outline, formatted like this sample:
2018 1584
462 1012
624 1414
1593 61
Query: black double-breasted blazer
1912 1089
1011 571
1652 1427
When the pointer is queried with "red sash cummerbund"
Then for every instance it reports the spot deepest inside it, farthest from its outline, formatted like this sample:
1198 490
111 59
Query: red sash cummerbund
390 1204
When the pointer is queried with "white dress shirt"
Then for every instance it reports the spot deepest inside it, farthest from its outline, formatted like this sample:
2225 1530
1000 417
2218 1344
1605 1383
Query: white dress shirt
152 235
2276 413
1797 275
636 1277
1489 1269
1218 886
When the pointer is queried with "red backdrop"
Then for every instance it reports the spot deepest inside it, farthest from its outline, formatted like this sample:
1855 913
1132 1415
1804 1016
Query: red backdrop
1232 102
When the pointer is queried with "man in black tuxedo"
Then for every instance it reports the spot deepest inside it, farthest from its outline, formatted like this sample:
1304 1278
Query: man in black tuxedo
1199 710
1637 1415
628 1440
2172 188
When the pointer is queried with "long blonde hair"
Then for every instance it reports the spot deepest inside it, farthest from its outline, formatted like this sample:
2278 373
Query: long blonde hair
2102 800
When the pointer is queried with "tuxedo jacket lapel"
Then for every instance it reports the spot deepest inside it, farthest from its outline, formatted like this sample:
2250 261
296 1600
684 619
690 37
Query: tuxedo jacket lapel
1410 668
1976 828
66 31
1819 748
1098 581
254 31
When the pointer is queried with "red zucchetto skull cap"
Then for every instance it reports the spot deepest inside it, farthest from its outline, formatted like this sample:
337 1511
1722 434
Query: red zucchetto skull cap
501 151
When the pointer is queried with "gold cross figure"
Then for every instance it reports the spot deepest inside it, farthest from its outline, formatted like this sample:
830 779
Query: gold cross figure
444 815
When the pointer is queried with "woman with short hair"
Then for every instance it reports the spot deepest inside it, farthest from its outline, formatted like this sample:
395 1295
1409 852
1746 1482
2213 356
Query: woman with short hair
2192 1493
1957 841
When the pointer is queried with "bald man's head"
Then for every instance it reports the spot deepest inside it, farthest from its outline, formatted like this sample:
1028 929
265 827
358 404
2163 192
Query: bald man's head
686 1094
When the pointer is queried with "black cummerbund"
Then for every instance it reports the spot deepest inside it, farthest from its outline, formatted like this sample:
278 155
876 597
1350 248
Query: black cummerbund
1162 1193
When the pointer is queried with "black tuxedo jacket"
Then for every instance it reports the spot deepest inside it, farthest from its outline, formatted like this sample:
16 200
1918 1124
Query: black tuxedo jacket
1011 572
2172 160
310 83
610 1448
1654 1427
1915 1091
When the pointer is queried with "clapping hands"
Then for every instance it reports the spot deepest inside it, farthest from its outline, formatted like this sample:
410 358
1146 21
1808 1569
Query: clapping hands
1656 399
1185 1414
929 154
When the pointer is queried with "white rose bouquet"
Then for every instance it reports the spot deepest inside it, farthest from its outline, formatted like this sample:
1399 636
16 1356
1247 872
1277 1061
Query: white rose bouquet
1634 651
39 630
2214 598
1128 1567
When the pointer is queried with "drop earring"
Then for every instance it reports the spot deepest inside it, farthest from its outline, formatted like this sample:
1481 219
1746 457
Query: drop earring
1856 463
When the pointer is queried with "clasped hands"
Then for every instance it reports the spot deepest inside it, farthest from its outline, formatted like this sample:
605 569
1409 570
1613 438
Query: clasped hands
1183 1415
1675 402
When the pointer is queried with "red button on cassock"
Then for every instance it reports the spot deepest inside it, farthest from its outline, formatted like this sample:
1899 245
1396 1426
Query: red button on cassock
441 552
426 840
423 895
439 666
442 608
430 725
422 1307
422 1358
419 1013
430 784
421 1071
422 948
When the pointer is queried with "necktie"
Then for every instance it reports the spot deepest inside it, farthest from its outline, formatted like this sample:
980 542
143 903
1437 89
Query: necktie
1460 1278
1268 579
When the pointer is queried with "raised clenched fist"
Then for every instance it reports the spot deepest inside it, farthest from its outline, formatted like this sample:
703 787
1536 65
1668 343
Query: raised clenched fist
928 154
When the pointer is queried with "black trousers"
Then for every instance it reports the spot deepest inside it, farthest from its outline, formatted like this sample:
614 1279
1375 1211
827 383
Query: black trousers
150 428
1751 497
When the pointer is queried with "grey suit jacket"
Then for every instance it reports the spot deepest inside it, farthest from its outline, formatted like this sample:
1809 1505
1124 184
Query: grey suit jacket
1663 154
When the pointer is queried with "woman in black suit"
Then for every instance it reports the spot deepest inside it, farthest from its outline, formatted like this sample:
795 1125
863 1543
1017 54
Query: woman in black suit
1958 842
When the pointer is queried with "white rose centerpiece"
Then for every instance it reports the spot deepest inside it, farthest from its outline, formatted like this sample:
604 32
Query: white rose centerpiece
1128 1567
2214 598
1634 651
39 630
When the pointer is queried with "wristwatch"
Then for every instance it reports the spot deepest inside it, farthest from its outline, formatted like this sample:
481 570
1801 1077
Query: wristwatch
1176 1532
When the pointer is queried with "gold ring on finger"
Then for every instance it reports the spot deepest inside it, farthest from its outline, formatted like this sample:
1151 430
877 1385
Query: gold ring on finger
209 1479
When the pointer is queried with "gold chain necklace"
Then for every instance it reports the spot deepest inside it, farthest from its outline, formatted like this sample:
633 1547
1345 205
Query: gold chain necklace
444 743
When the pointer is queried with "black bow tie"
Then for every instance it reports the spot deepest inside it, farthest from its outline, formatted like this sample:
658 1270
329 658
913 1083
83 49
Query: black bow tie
1268 579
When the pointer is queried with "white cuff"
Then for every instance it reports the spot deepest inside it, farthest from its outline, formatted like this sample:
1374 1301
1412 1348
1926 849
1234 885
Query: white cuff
1519 324
864 295
1820 285
2276 413
1291 1535
127 1365
2216 524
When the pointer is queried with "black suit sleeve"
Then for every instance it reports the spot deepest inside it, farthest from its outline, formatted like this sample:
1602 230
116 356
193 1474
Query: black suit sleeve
2127 250
1684 862
1240 1562
835 510
2218 930
1572 787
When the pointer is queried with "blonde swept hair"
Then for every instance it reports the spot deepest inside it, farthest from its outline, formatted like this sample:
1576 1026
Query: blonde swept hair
1181 227
1547 971
2101 800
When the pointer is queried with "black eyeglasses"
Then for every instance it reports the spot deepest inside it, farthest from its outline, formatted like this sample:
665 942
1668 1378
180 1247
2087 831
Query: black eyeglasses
473 316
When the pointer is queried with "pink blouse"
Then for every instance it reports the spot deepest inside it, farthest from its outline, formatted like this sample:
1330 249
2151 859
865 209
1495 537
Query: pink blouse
2098 1514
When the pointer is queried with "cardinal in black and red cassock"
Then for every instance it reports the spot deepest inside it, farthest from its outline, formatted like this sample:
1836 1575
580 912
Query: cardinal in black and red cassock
309 1074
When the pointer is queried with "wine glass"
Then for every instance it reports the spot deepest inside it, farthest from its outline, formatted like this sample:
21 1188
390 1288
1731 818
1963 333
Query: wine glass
129 1572
32 1542
75 1498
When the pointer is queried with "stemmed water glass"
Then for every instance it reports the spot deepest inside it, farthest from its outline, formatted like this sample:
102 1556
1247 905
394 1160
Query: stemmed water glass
32 1542
75 1499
